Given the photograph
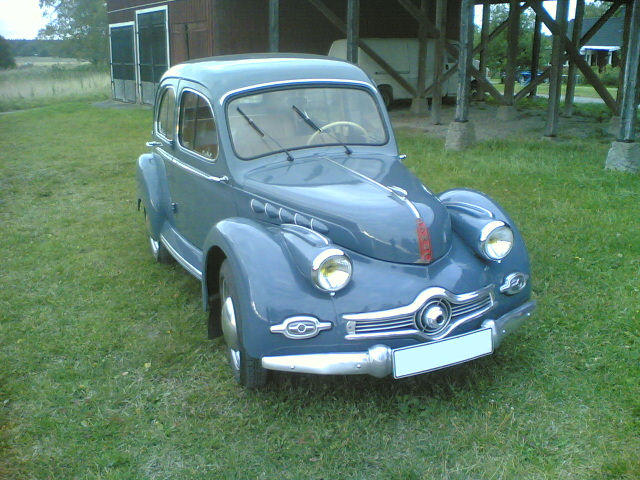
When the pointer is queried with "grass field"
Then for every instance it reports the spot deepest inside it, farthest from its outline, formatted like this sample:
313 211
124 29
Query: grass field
106 372
40 81
586 91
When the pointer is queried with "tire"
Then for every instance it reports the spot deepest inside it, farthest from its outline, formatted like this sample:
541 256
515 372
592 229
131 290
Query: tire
158 250
246 370
214 328
387 96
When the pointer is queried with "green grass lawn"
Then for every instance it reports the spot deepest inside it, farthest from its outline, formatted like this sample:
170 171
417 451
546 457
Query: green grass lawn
583 90
106 371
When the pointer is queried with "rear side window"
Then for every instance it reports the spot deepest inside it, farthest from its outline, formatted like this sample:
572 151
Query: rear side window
166 119
197 130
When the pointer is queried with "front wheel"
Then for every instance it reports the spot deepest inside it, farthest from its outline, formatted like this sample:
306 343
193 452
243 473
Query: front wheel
247 370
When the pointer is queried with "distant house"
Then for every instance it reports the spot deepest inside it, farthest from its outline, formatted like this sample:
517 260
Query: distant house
604 47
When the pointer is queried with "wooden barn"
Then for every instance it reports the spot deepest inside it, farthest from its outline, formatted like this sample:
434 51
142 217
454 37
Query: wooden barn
148 36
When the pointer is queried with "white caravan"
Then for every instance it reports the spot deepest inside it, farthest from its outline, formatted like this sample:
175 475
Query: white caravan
402 55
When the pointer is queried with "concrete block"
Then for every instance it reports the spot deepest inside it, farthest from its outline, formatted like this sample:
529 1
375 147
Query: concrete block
624 157
460 136
507 113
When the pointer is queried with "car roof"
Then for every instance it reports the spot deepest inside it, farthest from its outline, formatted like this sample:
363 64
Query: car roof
228 73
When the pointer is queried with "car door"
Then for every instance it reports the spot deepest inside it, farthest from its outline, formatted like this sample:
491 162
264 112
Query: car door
197 176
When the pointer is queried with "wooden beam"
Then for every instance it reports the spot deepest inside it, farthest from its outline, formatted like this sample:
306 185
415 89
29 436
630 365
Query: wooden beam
464 61
340 25
535 54
623 54
274 25
571 73
484 41
438 62
555 81
574 55
512 51
632 64
422 52
533 84
353 30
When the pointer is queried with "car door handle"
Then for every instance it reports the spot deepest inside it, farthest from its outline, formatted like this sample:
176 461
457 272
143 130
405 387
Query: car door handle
154 144
222 179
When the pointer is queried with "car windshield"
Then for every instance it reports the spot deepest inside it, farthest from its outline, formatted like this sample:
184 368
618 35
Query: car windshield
281 120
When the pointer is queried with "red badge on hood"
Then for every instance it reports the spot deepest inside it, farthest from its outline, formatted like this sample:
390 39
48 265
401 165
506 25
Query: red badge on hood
424 241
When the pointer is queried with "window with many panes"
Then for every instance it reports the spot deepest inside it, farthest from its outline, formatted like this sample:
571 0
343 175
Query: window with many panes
166 122
197 125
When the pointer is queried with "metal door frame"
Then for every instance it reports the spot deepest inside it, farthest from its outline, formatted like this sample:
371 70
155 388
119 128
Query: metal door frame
135 53
142 11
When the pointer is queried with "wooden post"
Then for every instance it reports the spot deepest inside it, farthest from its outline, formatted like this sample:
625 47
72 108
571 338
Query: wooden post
274 25
438 61
557 59
419 102
484 42
571 74
460 134
632 62
353 30
512 51
535 53
623 53
464 70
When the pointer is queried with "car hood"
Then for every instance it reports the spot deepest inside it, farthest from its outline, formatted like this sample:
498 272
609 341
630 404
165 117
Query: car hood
360 204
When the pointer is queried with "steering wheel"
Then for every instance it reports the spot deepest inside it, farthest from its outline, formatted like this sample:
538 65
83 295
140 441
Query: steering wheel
340 123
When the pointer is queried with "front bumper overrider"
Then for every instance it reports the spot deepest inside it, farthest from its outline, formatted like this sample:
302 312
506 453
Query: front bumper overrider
378 359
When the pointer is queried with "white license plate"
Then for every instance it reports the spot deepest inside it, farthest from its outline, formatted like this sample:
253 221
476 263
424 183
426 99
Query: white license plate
417 359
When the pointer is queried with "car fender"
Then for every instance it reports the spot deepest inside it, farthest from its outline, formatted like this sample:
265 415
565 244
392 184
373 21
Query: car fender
153 192
268 282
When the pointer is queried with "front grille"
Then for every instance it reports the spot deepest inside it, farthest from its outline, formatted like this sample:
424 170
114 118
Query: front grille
464 308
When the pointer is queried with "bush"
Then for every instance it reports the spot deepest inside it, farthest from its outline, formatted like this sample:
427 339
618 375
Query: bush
609 76
6 56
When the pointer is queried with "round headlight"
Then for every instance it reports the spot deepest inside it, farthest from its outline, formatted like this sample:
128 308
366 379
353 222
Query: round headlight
331 270
496 240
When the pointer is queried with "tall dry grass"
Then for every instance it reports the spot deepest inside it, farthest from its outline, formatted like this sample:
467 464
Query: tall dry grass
38 85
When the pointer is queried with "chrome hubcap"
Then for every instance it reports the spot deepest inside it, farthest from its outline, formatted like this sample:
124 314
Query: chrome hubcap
155 246
229 327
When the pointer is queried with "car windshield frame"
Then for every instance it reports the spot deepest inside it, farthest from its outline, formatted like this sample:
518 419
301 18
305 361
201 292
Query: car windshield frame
336 141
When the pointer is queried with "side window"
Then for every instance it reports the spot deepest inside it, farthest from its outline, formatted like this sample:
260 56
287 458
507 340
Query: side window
166 123
197 130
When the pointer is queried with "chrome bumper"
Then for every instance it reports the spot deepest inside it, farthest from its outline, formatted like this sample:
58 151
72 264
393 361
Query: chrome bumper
377 360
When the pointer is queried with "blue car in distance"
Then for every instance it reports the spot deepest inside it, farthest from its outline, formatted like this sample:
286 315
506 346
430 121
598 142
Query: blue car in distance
275 180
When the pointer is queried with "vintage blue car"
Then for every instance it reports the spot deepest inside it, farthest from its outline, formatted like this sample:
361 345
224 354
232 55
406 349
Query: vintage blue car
276 181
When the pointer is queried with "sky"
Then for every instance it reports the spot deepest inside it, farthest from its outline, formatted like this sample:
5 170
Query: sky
23 18
20 18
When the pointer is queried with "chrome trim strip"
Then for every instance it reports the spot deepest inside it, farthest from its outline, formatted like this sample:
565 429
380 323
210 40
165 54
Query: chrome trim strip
378 359
287 83
319 236
316 327
190 169
181 260
419 301
469 207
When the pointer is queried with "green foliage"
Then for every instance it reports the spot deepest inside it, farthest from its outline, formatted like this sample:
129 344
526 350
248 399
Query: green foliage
6 55
41 48
609 75
497 51
81 25
106 371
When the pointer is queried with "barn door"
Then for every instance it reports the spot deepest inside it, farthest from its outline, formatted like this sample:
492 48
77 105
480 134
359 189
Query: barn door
153 50
123 69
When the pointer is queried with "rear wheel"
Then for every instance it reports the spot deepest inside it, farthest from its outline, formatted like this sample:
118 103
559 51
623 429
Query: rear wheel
247 370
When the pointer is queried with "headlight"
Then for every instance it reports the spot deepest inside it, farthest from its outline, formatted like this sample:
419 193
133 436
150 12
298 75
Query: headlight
496 240
331 270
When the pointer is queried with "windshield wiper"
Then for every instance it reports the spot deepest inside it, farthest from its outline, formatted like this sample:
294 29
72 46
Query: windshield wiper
313 125
263 133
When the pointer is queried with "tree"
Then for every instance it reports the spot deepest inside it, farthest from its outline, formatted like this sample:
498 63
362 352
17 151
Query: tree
81 24
6 55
